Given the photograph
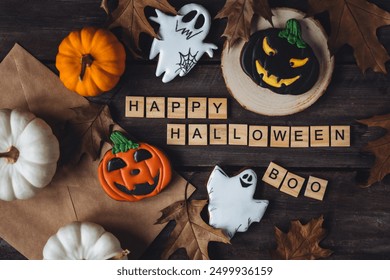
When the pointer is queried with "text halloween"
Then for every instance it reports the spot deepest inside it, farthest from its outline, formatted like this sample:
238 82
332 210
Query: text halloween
259 135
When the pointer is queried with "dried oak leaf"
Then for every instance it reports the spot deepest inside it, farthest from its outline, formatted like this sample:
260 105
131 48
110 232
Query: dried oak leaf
190 232
86 133
354 22
301 242
380 148
239 14
130 15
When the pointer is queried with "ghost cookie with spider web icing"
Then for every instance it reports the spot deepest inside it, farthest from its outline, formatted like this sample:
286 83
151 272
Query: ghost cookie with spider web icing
180 44
231 205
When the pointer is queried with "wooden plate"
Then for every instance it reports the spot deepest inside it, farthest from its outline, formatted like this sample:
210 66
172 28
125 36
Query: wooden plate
263 101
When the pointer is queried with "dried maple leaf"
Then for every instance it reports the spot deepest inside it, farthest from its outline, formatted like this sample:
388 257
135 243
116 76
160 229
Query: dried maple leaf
131 16
240 14
380 148
190 232
86 133
301 242
354 22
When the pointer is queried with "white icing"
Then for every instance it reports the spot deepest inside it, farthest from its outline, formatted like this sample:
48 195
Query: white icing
180 44
231 206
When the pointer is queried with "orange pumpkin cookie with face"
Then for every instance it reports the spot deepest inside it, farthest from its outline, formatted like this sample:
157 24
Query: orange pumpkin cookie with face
131 171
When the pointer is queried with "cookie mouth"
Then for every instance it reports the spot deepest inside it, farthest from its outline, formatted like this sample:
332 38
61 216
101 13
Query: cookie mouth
243 184
273 80
140 189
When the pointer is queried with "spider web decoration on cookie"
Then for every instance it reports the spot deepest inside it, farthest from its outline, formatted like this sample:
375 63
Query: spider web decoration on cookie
187 61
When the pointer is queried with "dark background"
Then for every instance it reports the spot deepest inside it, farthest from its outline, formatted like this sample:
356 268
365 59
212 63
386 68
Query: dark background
357 219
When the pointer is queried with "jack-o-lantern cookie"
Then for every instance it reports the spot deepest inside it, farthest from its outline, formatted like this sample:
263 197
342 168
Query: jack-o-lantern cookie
283 68
131 171
279 59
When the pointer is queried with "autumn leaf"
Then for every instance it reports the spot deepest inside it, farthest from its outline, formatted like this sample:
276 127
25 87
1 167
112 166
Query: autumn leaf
239 14
301 242
190 232
85 133
355 22
380 148
131 17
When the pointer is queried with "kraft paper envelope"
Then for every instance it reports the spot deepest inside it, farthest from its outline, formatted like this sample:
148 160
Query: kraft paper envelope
73 194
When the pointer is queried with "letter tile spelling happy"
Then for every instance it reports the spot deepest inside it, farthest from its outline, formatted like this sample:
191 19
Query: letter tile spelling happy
180 44
231 206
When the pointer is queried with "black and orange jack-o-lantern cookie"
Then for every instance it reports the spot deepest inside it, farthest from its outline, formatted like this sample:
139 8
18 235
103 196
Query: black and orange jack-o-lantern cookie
280 60
133 171
283 68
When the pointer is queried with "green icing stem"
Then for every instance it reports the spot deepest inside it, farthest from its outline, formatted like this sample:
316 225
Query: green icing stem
292 33
121 143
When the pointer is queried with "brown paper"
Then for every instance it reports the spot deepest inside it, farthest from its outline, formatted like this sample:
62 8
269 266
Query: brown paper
73 194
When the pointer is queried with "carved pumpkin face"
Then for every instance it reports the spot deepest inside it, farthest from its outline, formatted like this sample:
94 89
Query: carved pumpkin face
135 172
278 59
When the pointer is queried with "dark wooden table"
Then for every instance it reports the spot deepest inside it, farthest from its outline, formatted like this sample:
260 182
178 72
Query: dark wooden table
357 219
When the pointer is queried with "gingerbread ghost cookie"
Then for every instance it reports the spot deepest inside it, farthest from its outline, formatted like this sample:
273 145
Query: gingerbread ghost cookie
180 44
231 206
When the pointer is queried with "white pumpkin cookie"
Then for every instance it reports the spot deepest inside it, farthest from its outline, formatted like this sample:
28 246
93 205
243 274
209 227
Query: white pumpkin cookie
231 206
180 44
28 154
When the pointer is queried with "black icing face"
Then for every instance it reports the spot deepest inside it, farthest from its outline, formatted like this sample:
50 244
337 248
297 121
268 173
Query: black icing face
140 189
274 63
118 164
247 180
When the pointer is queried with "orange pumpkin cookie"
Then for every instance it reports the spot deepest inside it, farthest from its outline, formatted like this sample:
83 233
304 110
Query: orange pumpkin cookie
90 61
131 171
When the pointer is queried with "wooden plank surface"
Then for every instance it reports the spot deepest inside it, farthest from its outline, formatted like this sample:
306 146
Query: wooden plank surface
357 219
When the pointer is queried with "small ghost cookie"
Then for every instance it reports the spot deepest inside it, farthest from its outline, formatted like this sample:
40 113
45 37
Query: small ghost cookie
231 206
180 44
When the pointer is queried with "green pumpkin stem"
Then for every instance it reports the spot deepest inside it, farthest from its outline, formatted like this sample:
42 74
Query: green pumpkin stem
292 33
121 143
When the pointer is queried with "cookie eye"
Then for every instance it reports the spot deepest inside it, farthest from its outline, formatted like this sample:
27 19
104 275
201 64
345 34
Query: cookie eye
267 48
141 155
115 164
296 62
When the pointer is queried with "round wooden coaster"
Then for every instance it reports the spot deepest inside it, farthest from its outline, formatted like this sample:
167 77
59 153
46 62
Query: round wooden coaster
263 101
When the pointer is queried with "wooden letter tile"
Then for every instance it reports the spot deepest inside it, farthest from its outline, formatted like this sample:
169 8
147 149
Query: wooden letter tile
274 175
319 136
258 136
197 134
176 134
176 108
197 107
316 188
238 134
280 136
217 108
299 137
340 136
155 107
135 106
218 134
292 184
